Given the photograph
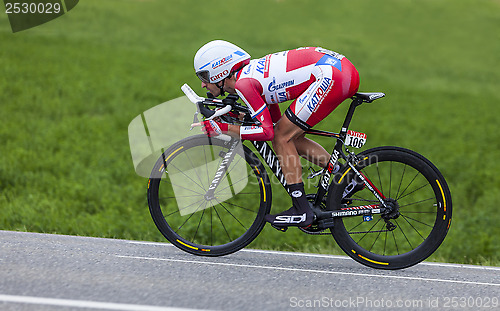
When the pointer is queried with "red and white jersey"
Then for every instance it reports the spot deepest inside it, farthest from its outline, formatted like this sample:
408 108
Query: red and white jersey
303 74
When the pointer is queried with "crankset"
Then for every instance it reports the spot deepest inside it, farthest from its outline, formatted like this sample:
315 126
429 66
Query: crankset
317 227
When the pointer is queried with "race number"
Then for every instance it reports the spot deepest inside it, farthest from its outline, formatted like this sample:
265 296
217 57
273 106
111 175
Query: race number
355 139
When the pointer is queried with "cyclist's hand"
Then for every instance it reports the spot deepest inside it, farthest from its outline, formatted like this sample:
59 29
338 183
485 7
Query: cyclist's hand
213 128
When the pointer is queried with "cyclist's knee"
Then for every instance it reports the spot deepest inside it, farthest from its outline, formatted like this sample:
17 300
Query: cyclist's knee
280 142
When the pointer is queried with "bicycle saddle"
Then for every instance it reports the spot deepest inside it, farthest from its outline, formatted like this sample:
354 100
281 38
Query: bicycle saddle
369 97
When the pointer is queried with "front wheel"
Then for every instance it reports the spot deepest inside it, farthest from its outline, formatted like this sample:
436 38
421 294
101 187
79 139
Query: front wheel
418 217
203 222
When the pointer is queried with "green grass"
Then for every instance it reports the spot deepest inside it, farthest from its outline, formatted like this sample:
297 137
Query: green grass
69 89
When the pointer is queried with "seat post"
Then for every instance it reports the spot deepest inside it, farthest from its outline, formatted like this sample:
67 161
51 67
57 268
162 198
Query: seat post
356 101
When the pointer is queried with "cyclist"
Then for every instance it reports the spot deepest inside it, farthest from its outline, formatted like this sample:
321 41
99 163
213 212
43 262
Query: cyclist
316 79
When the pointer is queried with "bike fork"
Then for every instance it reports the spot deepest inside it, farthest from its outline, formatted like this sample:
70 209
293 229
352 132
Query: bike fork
221 171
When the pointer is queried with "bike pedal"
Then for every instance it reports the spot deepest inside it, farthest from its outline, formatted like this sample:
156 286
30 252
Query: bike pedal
282 229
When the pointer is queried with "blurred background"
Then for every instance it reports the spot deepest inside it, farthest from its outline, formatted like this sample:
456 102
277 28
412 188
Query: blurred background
69 89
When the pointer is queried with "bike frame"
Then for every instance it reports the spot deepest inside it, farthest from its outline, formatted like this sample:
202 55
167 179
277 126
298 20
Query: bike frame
271 159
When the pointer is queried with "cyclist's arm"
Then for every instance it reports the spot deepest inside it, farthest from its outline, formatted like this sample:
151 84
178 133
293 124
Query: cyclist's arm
250 92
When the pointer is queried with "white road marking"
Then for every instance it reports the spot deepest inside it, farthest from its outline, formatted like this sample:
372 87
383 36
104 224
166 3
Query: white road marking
311 270
456 265
85 304
438 264
448 265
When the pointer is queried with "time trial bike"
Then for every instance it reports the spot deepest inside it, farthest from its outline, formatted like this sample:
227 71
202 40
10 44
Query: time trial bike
386 207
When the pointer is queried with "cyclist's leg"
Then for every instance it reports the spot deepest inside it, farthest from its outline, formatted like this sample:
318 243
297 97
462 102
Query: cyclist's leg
285 135
289 139
300 214
331 87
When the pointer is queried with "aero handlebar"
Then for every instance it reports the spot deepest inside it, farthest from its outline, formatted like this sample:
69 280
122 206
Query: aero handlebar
195 99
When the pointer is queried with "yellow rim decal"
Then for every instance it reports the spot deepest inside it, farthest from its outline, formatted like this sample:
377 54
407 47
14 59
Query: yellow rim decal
186 244
205 250
173 153
344 175
377 262
263 188
257 170
442 193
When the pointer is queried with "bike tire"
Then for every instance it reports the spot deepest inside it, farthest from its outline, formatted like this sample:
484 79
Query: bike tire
424 206
226 224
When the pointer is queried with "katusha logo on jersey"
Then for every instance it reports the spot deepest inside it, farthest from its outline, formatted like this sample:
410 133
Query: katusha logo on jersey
319 94
222 61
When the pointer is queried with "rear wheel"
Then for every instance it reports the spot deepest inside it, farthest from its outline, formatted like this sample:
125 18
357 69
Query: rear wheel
213 225
420 204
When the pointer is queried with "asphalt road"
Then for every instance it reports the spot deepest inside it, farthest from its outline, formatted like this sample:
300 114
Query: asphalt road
55 272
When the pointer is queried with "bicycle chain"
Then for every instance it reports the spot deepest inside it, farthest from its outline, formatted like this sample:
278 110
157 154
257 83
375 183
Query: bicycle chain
322 232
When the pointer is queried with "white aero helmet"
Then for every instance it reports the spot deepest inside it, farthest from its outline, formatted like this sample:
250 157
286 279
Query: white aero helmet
218 59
